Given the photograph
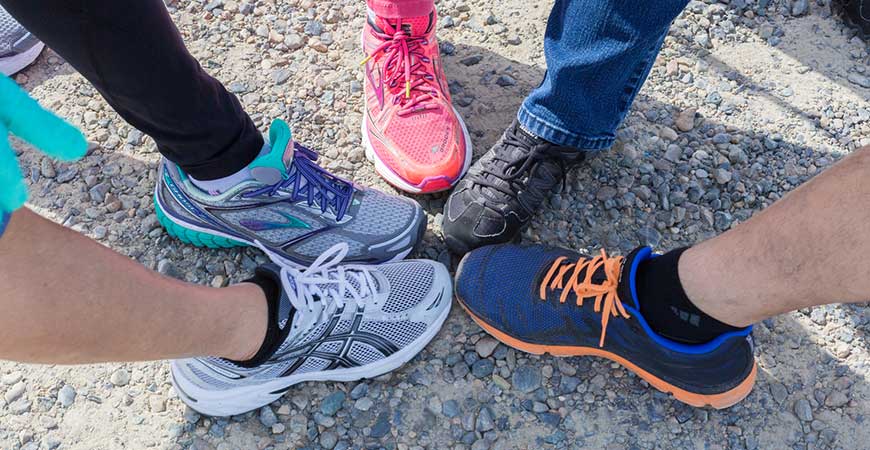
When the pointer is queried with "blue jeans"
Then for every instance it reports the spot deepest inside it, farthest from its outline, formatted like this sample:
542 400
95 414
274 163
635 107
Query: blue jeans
599 52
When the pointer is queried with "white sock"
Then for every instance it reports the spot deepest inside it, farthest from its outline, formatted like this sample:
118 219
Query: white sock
221 185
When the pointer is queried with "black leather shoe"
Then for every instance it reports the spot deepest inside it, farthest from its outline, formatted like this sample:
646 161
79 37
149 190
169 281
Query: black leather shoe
504 189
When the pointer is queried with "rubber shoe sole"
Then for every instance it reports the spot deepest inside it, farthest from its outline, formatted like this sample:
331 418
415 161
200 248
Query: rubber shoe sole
10 65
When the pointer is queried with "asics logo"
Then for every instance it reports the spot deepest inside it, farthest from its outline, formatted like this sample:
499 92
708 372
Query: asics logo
339 358
264 225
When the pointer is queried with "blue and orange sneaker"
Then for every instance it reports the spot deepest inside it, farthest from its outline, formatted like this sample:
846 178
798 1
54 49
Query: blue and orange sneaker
548 300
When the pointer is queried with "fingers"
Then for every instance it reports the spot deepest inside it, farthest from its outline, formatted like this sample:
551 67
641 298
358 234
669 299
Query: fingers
13 191
26 119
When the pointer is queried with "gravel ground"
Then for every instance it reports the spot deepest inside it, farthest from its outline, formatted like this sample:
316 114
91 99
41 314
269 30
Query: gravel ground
746 101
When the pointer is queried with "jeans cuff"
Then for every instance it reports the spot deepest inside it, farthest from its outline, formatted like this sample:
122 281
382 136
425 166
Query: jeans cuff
560 136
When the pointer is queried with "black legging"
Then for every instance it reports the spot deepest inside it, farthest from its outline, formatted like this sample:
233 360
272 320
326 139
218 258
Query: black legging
134 56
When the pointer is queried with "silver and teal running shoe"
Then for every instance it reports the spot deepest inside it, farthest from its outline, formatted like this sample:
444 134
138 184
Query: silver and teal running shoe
292 207
332 322
18 47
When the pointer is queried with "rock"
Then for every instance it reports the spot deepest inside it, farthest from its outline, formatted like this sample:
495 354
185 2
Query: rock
485 346
98 192
836 399
471 60
482 368
859 79
673 153
120 378
713 98
11 378
722 176
382 426
213 4
66 396
279 76
364 404
526 378
565 367
803 410
165 267
20 406
267 416
332 403
157 403
15 392
485 420
514 40
294 41
67 175
799 8
605 193
505 80
450 408
668 134
778 391
447 48
278 428
359 391
134 137
649 236
246 8
46 168
328 440
190 416
736 155
313 28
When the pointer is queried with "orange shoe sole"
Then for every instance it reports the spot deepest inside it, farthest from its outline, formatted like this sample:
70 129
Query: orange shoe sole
719 401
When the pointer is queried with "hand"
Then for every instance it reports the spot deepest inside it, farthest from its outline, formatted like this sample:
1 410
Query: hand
23 117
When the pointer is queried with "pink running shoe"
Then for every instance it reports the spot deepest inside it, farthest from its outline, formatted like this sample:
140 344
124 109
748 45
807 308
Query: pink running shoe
411 131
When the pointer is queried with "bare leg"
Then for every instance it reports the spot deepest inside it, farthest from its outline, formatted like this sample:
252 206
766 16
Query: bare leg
810 248
66 299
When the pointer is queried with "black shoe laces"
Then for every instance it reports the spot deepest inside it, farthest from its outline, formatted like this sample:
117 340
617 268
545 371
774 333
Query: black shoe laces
508 172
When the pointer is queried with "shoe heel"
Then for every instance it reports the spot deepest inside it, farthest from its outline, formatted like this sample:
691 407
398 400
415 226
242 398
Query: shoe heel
193 237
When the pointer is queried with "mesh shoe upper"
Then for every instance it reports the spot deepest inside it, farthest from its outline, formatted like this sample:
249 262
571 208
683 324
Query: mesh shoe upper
13 37
411 124
298 220
501 285
338 317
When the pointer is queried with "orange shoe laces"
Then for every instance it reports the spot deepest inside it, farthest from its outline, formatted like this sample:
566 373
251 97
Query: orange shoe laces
606 299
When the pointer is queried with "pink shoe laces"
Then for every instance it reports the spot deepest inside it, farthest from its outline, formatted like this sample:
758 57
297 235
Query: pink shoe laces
404 60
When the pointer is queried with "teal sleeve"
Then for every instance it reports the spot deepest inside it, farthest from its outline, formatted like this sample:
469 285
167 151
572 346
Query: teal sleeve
23 117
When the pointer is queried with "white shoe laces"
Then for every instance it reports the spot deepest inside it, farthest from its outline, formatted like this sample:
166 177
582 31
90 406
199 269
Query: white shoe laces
326 281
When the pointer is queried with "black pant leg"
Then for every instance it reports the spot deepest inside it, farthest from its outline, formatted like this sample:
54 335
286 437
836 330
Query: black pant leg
134 56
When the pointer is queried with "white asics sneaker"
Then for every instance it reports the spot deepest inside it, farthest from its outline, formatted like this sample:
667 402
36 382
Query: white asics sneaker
332 323
18 47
